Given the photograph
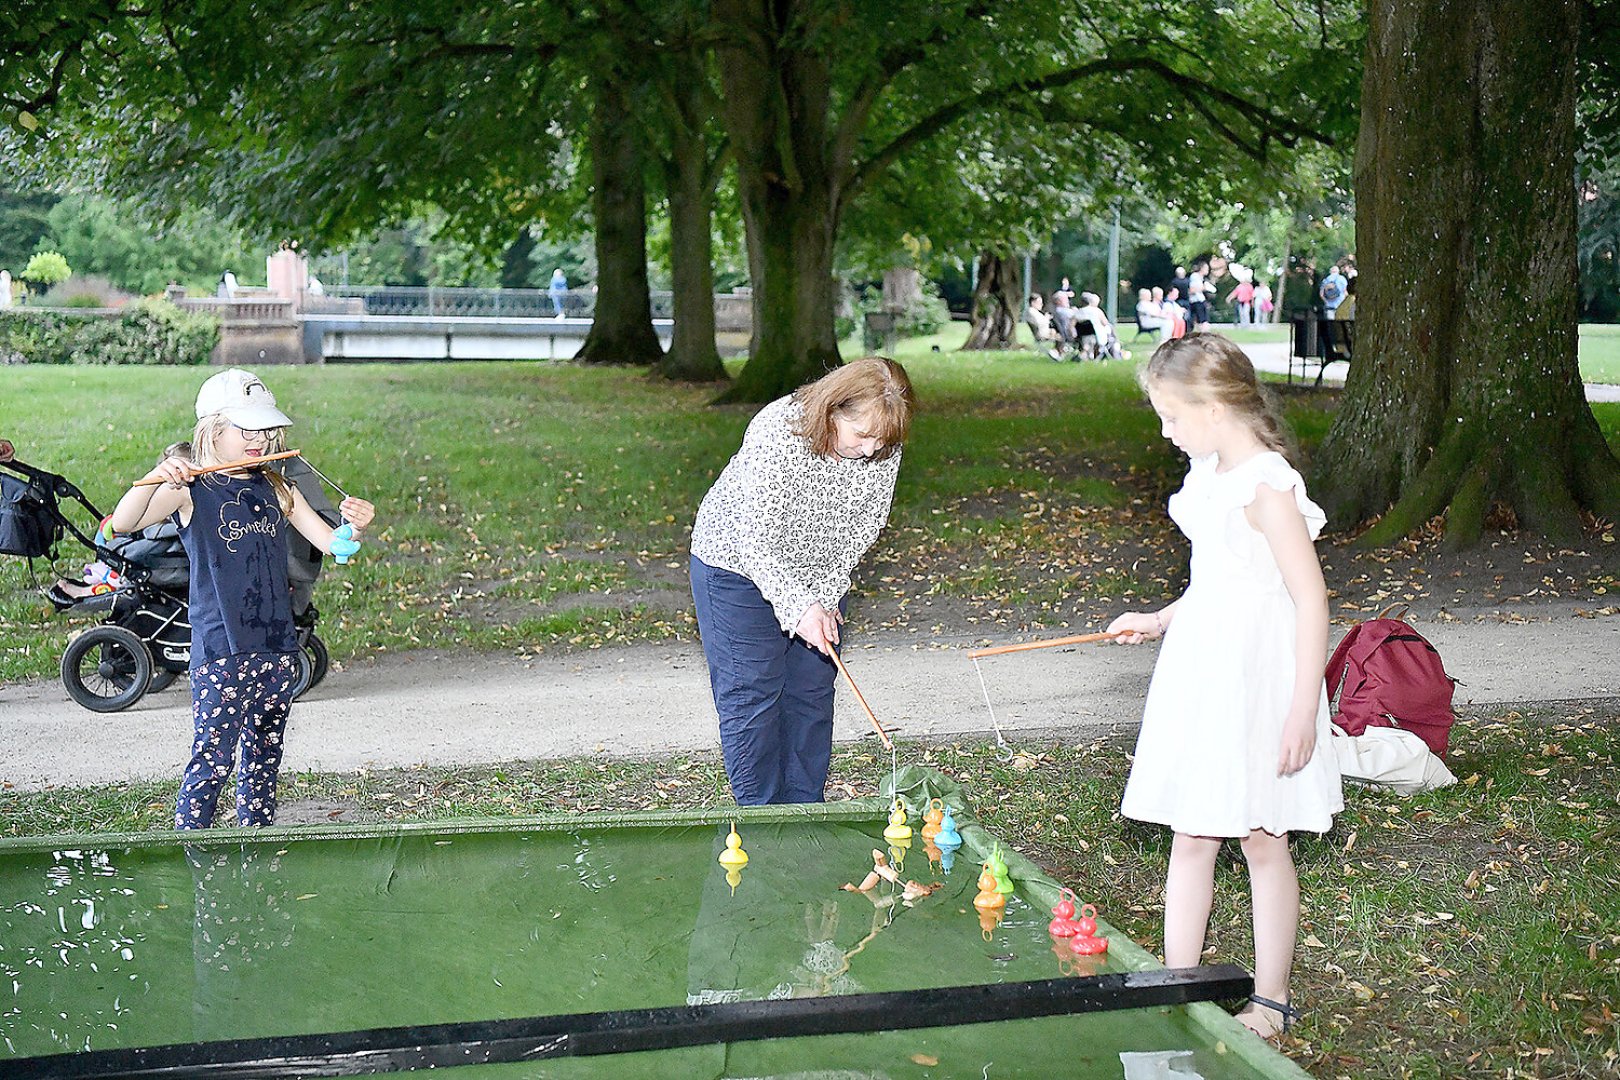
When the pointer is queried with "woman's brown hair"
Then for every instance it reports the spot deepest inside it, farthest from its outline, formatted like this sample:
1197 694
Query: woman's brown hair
873 387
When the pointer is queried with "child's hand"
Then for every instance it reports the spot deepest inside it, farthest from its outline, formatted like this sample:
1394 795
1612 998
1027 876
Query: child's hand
1135 627
1298 743
177 472
357 512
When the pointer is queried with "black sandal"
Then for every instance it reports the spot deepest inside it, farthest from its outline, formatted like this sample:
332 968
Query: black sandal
1288 1012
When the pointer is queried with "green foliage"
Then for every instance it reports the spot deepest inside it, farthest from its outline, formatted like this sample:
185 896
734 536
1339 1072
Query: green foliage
1598 241
115 239
46 268
22 226
426 250
923 314
144 332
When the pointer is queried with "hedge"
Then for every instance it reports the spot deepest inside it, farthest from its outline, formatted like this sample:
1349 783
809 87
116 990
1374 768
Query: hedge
144 332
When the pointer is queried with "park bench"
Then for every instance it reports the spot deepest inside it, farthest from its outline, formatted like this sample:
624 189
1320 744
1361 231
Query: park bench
1315 337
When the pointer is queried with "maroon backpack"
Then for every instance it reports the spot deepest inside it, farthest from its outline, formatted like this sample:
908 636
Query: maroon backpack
1386 674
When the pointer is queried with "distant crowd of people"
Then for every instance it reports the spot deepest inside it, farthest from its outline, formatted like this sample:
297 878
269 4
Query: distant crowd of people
1086 330
1185 305
1169 312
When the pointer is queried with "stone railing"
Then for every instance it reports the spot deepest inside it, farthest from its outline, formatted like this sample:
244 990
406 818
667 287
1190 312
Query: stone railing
242 309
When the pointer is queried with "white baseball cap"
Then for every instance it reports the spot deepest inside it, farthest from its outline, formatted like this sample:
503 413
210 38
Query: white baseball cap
243 399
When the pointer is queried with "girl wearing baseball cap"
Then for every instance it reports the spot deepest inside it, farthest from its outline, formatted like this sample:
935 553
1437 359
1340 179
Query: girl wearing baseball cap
244 645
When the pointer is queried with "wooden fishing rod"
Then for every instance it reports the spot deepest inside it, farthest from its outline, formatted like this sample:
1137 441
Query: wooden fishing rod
245 463
888 744
1082 639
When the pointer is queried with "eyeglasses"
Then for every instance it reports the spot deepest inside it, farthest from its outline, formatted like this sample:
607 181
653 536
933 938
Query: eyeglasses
255 435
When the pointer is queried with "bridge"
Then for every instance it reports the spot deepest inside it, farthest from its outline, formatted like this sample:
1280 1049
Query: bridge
292 322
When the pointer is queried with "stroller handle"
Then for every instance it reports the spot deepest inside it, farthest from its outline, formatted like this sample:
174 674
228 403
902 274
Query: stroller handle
59 487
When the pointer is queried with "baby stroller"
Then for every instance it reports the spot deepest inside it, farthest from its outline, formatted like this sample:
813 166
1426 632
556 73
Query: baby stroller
144 640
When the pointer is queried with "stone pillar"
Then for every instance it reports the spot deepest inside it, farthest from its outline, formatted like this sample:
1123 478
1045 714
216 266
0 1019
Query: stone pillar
287 273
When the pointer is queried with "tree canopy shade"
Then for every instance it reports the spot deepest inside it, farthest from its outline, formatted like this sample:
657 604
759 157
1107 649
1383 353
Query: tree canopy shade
336 116
325 119
1466 390
821 100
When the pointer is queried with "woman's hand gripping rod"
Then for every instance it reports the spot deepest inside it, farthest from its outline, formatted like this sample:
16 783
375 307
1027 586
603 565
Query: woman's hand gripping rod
997 650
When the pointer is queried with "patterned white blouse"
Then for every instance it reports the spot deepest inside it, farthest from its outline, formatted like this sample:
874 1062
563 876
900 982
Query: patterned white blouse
792 522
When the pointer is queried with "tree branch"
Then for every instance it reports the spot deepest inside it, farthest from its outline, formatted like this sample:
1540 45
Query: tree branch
1194 90
891 62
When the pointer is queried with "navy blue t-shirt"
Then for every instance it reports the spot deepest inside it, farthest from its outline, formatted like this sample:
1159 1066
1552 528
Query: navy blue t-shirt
237 544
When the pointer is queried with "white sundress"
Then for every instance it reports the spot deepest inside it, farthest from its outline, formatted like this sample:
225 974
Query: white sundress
1206 759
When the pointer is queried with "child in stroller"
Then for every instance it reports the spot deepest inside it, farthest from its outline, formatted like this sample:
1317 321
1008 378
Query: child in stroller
144 641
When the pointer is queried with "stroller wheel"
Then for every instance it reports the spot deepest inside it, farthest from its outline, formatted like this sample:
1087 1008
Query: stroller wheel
162 679
301 680
106 668
319 660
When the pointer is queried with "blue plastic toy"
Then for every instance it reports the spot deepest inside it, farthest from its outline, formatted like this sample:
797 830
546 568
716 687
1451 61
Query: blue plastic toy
948 840
344 545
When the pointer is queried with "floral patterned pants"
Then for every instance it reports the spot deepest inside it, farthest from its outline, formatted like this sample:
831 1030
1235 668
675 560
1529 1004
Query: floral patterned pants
239 707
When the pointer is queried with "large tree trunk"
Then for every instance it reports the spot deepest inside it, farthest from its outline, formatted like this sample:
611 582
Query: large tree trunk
995 304
622 330
692 353
1465 389
776 110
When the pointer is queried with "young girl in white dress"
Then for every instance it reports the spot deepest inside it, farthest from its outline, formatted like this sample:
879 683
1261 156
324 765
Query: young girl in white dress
1237 707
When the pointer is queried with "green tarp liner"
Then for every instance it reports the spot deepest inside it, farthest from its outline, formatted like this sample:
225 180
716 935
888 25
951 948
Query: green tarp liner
145 939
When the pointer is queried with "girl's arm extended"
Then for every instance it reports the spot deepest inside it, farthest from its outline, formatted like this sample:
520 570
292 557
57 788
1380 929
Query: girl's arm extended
1276 516
357 512
149 504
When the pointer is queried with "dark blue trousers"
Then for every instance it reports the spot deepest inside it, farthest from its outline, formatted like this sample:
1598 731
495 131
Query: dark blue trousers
238 704
773 692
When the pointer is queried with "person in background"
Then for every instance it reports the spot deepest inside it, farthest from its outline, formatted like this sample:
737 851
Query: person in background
1178 290
1199 290
1242 297
1170 305
1149 314
1040 325
776 540
1090 310
1234 738
558 290
1333 290
1063 295
1347 310
1262 302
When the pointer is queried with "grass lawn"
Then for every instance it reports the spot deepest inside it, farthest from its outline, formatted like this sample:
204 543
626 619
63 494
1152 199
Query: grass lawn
1470 932
506 491
525 506
1600 352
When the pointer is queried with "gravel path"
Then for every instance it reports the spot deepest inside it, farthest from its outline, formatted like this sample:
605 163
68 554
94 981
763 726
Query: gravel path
441 709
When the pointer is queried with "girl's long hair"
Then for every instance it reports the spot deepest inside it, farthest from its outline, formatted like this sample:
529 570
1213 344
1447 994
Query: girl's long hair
1204 368
872 387
205 452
